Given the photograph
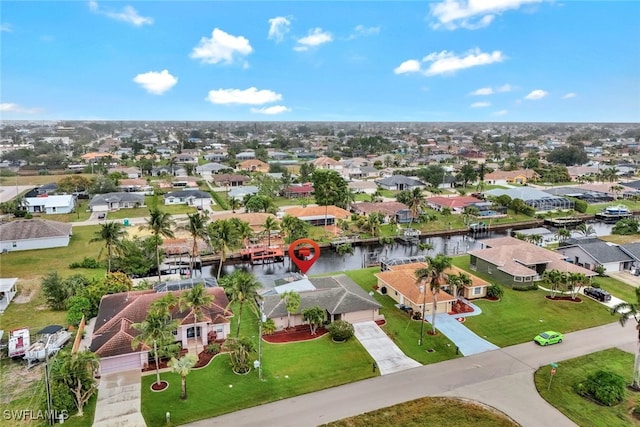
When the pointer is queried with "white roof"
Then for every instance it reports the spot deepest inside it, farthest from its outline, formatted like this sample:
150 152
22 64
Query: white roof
7 284
50 201
301 285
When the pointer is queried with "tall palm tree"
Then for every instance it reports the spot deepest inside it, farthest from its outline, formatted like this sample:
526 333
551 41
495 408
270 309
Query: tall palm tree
585 229
182 367
563 234
196 299
197 227
223 237
111 233
373 222
159 223
156 328
555 279
628 311
270 224
415 203
291 303
243 288
77 372
434 276
243 228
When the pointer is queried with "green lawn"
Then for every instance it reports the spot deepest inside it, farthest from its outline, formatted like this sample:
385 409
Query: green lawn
617 288
401 329
519 316
216 390
82 214
582 411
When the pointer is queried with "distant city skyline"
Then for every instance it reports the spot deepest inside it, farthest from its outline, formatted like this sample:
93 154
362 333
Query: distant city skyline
377 61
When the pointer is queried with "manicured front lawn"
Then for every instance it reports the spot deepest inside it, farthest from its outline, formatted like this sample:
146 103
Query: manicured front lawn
216 390
401 329
617 288
519 316
582 411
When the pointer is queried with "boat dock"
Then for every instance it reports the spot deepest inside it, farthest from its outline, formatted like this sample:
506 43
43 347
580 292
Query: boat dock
262 254
564 222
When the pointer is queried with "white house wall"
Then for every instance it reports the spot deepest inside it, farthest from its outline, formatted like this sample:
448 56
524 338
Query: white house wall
29 244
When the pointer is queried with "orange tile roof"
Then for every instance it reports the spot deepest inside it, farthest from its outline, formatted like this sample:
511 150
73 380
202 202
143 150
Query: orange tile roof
402 278
300 211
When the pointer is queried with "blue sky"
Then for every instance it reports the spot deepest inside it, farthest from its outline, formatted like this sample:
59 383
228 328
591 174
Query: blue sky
451 60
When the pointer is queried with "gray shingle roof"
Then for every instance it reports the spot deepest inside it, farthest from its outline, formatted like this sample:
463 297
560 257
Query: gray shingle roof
632 249
100 199
601 251
33 229
399 179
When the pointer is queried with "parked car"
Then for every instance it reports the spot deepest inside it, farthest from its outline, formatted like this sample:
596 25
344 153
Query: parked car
102 215
548 337
597 293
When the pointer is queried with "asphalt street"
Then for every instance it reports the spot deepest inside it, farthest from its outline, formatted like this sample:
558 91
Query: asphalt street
500 378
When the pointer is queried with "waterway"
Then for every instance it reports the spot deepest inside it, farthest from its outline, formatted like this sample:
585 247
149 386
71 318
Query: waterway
367 255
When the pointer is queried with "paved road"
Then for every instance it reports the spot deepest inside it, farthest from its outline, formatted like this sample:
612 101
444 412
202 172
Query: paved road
8 192
500 378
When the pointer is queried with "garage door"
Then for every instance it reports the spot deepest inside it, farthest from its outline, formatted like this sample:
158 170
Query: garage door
126 362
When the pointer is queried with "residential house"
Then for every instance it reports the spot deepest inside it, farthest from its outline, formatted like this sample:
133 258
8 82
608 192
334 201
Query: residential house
8 290
327 163
58 204
254 219
389 210
174 170
539 200
399 183
216 156
114 201
192 197
229 180
633 250
591 252
363 187
135 186
400 283
113 333
184 158
209 169
318 215
514 262
298 191
131 173
339 296
520 176
246 155
455 204
27 234
240 192
253 165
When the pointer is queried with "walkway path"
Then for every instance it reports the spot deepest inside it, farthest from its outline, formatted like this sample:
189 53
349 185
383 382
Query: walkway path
500 378
387 355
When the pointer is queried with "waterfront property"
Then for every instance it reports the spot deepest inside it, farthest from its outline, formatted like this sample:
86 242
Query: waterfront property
514 262
591 252
26 234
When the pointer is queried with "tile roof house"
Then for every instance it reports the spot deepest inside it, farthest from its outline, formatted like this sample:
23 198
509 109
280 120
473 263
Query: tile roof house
115 201
113 334
514 262
399 183
327 163
27 234
298 190
229 180
456 204
399 282
131 173
360 187
520 176
339 296
253 165
591 252
318 215
388 209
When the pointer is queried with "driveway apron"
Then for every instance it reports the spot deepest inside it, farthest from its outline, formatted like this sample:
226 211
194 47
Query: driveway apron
387 355
119 401
467 342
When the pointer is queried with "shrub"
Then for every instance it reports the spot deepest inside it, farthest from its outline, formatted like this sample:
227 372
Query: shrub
213 348
606 388
580 205
87 262
533 287
340 330
77 307
602 272
495 291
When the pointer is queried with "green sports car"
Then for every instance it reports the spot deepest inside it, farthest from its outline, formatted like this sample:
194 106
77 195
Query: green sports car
549 337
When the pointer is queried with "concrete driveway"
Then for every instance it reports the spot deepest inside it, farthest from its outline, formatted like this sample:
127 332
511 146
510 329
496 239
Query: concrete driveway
119 401
467 341
387 355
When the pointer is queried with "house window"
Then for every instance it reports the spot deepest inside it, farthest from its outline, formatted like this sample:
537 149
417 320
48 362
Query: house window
396 292
517 278
219 329
14 244
490 270
477 290
528 279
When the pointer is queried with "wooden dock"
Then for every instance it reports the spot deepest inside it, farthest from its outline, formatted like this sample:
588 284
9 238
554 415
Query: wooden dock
263 254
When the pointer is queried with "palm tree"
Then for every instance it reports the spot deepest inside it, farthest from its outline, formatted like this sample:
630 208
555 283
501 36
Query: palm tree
433 274
234 204
373 222
314 316
425 246
240 350
563 234
223 237
196 299
555 279
77 372
270 224
197 227
111 233
415 203
585 229
159 223
291 303
576 281
628 311
243 287
243 228
156 327
182 367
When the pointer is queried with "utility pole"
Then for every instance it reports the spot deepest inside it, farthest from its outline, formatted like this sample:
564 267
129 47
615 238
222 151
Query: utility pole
423 288
48 387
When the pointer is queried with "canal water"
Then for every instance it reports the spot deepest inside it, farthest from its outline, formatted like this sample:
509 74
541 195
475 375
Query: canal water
372 254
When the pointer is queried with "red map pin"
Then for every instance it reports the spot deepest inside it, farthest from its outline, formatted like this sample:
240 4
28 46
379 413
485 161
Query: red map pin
303 263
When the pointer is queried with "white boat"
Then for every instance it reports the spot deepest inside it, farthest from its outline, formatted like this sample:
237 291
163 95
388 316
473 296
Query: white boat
50 340
19 341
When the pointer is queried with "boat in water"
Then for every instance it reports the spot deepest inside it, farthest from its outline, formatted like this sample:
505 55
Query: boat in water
50 340
614 213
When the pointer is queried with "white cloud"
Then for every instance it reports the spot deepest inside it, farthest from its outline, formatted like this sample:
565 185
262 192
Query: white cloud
409 66
504 88
8 107
5 27
501 112
362 31
534 95
221 47
480 104
276 109
316 37
251 96
569 95
471 14
278 27
156 83
448 63
483 91
128 14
